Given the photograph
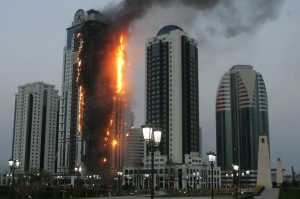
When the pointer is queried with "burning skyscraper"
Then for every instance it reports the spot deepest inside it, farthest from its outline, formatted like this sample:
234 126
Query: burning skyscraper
93 98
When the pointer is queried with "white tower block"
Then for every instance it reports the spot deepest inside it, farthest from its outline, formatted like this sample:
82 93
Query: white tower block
280 174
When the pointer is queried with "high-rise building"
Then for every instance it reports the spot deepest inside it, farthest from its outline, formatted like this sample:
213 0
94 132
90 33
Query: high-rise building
35 127
172 96
134 146
241 117
81 123
93 105
120 129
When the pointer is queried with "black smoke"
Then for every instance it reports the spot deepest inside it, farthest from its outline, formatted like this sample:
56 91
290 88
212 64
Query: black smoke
230 17
124 14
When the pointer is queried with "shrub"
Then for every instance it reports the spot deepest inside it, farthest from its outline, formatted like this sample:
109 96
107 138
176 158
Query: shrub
258 189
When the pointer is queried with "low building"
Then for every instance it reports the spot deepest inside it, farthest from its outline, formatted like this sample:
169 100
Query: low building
171 176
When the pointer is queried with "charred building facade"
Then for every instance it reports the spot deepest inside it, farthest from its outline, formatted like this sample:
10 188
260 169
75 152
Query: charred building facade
88 104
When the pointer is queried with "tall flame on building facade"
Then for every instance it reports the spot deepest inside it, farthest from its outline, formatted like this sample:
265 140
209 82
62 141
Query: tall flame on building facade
93 96
120 65
116 126
80 90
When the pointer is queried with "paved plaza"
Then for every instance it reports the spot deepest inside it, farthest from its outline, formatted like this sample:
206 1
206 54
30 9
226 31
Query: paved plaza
269 194
266 194
147 196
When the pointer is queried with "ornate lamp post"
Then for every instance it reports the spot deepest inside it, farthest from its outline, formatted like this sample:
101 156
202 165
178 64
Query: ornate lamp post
8 179
14 165
235 176
77 170
247 175
187 183
200 182
120 173
196 178
227 180
130 183
212 159
146 182
241 182
152 137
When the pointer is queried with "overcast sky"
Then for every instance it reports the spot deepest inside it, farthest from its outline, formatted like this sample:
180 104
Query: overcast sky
33 35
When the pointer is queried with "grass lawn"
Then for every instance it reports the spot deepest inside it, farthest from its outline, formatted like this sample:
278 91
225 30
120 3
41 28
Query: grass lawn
289 194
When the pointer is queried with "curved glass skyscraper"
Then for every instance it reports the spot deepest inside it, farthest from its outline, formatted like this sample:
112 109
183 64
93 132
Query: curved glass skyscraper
241 116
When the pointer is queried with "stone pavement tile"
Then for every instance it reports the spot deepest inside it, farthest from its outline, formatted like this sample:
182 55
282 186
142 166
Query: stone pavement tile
269 194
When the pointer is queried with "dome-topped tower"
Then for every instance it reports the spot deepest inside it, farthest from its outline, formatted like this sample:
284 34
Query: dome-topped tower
172 94
167 29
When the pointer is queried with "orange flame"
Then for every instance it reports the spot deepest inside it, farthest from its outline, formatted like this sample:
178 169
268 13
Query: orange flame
118 58
120 65
80 109
81 89
114 142
79 67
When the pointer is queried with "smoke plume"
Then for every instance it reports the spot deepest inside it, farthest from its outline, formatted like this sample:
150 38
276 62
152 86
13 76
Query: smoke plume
227 17
205 20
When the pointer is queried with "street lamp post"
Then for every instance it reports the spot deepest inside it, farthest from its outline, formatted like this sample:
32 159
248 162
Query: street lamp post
8 180
196 178
187 183
152 137
247 175
200 183
13 165
235 175
227 181
212 159
146 181
77 170
128 182
241 182
96 182
120 173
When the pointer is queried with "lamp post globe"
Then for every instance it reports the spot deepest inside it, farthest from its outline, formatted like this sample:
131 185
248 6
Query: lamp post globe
10 162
